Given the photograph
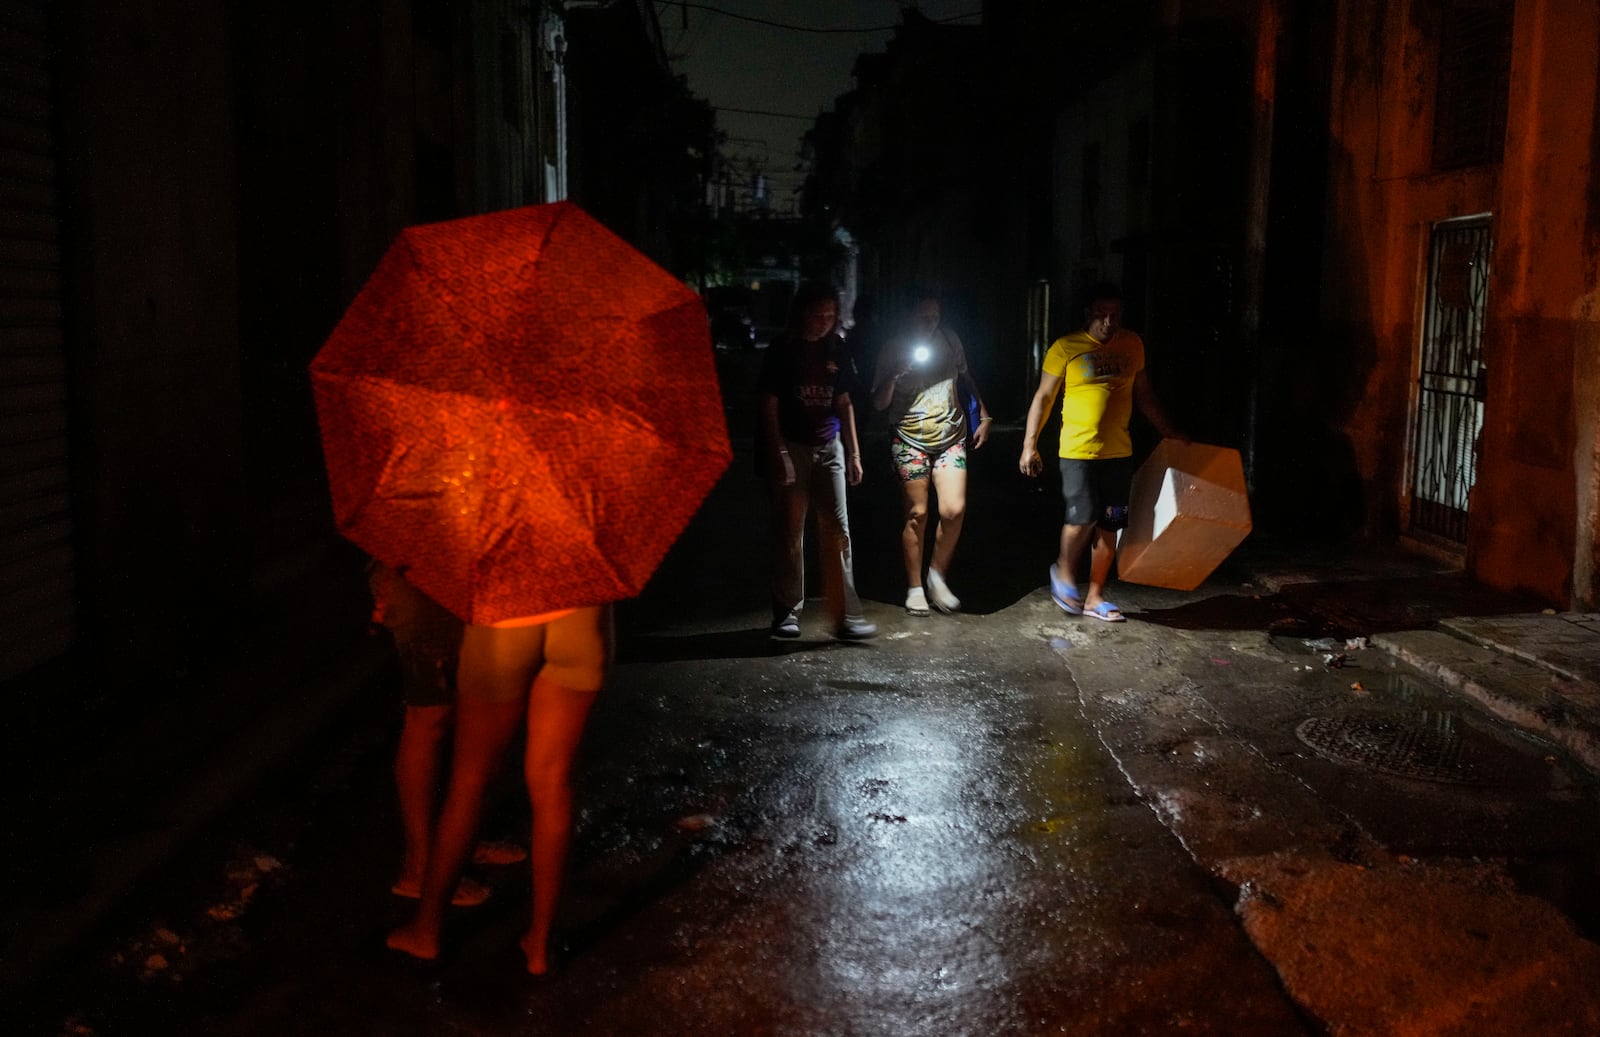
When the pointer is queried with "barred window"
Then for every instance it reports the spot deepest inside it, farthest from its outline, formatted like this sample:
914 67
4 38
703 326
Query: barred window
1469 120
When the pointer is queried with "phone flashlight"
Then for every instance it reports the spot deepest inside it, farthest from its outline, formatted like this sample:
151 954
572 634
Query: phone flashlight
920 355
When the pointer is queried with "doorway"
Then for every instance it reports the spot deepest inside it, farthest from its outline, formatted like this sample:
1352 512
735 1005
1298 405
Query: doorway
1450 379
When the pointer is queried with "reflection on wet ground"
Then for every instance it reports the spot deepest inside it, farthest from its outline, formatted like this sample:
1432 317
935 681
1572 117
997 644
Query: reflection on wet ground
919 849
922 835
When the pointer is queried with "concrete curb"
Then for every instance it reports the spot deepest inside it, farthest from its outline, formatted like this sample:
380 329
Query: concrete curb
1517 689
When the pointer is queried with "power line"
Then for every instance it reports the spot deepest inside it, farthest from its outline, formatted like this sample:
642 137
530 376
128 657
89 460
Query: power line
754 111
807 28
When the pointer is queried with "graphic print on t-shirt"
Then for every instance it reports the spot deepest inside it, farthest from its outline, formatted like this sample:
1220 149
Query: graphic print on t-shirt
1102 365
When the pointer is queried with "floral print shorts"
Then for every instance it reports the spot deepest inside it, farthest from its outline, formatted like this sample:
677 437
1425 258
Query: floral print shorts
913 462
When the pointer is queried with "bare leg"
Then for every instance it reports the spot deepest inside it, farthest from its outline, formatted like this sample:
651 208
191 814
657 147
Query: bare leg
497 667
416 780
556 716
950 485
915 496
579 654
1073 540
1105 549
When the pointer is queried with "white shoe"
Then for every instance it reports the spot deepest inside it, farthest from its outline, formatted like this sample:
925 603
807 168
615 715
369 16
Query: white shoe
916 602
939 593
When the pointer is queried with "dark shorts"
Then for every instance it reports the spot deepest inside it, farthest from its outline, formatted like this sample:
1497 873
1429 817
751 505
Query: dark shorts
1096 492
427 639
427 672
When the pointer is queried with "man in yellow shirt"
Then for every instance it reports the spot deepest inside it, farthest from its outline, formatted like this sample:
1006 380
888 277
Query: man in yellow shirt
1100 372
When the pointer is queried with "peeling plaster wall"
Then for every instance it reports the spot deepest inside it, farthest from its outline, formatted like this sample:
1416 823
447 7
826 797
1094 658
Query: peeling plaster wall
1534 506
1534 511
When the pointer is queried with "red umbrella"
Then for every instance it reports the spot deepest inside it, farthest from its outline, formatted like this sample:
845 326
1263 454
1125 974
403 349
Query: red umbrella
521 410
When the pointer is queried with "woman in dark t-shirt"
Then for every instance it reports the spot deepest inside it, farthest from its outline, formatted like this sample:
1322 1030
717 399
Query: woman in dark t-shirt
808 451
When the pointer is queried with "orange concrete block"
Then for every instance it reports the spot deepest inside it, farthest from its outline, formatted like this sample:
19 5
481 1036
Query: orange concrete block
1187 512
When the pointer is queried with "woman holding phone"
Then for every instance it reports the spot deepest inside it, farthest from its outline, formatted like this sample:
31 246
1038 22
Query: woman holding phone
916 384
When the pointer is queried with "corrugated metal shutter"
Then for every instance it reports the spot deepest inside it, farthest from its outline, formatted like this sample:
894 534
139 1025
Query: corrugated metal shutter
36 560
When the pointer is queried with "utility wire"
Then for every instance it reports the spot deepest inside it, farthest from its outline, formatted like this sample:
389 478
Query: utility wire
755 111
806 28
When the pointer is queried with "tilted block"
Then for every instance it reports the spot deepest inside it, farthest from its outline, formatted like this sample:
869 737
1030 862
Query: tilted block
1187 512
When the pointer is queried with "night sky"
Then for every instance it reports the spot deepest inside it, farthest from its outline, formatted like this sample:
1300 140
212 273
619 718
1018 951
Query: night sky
736 63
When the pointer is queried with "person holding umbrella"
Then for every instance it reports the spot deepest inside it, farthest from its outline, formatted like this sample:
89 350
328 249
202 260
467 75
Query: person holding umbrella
426 639
548 670
807 449
471 440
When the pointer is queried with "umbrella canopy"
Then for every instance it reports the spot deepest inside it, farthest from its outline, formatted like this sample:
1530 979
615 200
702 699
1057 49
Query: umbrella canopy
520 410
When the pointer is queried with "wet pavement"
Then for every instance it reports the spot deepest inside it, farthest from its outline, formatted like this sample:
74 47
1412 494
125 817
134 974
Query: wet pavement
1225 816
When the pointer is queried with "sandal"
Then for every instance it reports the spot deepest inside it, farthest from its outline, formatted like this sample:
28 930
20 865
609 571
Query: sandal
1065 594
496 852
1106 611
469 892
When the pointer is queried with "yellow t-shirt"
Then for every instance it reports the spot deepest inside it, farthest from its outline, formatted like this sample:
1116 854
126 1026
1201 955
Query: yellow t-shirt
1096 392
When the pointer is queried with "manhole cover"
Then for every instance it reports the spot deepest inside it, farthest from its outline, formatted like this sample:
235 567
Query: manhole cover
1431 752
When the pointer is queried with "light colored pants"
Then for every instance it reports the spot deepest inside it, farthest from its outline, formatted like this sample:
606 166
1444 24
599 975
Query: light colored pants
819 480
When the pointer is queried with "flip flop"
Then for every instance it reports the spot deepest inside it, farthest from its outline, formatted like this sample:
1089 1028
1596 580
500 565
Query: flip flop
1065 595
498 853
469 892
1106 611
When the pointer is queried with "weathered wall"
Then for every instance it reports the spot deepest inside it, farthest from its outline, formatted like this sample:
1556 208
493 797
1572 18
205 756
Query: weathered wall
1535 474
229 177
1383 203
1534 510
149 175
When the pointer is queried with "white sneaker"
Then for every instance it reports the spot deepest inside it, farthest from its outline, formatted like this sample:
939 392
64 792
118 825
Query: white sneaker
939 593
916 602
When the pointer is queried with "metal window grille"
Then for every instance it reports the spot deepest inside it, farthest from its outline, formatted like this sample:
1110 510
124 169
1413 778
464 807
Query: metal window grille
1450 379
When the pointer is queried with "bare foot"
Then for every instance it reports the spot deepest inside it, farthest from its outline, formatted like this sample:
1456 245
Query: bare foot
538 959
407 940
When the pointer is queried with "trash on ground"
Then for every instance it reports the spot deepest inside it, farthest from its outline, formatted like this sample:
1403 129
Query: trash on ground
1321 644
1354 644
1334 660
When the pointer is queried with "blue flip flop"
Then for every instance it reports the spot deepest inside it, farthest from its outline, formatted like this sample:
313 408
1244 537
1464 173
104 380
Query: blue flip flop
1065 595
1106 611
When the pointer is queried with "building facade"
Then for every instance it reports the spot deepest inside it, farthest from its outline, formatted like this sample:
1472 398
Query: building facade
1463 254
193 193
